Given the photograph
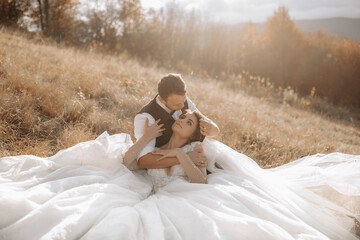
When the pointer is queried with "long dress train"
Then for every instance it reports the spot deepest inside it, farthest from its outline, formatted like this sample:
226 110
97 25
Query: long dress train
243 201
63 196
84 192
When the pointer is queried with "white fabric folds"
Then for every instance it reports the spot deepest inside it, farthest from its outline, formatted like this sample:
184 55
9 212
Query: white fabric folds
84 192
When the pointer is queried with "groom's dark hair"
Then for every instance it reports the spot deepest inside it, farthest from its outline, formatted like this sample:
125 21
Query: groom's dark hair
171 84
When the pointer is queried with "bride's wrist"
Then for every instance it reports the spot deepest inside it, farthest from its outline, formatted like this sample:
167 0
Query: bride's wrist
179 152
147 138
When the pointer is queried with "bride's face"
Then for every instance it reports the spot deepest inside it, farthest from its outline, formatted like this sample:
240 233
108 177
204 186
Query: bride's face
186 125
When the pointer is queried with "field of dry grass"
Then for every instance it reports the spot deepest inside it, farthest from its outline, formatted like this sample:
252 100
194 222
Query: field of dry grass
53 97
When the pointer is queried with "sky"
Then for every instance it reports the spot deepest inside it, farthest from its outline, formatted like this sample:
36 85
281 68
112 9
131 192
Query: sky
235 11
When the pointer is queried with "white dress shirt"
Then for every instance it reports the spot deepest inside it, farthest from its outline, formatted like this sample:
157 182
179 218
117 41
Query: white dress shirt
139 123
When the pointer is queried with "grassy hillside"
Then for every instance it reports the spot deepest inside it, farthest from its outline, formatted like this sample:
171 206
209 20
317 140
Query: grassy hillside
54 97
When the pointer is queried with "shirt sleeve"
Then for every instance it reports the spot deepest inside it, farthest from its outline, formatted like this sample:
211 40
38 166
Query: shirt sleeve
193 107
139 123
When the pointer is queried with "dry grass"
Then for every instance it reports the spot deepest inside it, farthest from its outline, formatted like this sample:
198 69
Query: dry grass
54 97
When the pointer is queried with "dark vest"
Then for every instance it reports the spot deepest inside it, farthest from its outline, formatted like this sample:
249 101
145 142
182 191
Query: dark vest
158 112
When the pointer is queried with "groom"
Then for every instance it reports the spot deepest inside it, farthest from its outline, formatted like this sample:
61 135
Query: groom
167 106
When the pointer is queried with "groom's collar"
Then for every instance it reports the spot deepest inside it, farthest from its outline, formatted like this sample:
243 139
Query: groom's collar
163 105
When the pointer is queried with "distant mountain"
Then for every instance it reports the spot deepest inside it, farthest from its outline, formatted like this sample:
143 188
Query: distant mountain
343 27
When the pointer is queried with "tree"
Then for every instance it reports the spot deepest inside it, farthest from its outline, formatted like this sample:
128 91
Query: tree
11 11
111 24
284 44
56 18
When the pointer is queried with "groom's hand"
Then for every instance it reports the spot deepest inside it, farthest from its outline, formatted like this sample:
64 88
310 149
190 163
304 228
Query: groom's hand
208 129
198 157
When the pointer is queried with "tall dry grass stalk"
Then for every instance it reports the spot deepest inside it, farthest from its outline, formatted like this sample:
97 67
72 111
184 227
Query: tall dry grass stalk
54 97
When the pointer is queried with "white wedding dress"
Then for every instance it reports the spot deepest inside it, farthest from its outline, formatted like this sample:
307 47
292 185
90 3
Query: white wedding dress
84 192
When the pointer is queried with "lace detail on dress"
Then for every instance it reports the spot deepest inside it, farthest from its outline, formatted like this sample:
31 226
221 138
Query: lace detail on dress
159 176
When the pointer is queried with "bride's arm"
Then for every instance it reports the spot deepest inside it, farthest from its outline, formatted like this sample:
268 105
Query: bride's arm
130 156
152 160
194 173
150 133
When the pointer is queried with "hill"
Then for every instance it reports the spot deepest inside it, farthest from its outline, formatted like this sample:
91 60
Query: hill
343 27
52 97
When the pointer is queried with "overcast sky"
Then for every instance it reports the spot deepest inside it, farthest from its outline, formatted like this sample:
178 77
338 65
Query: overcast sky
233 11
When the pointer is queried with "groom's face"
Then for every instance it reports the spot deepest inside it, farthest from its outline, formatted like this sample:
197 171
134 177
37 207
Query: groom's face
175 102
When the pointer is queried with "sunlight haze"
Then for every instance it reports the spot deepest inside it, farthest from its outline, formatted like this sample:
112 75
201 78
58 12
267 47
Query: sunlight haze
234 11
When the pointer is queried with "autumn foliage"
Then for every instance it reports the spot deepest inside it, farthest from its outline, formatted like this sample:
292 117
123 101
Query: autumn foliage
311 64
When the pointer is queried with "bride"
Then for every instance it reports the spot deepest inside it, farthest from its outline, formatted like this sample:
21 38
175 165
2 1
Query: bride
84 192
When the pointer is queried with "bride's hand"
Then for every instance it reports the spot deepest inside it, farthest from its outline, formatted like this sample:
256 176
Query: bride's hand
168 153
153 131
198 157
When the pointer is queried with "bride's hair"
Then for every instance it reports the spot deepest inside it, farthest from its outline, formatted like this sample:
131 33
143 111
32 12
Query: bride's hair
197 136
